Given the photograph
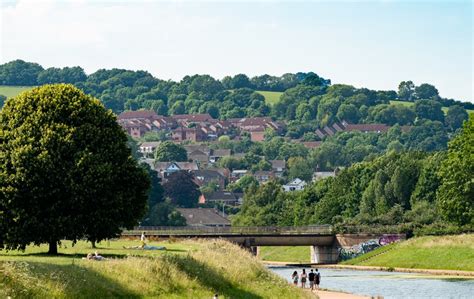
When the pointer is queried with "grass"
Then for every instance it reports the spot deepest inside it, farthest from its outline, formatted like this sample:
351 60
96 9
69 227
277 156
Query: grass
271 97
11 91
291 254
188 269
429 252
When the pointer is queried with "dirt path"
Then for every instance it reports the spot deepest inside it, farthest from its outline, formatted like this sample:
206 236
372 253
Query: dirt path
338 295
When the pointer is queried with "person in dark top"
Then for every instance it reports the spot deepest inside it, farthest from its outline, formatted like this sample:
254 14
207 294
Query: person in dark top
311 279
317 279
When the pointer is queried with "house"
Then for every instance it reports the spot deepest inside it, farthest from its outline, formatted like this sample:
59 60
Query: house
226 197
263 176
195 134
197 147
219 153
257 136
165 169
206 176
199 157
148 148
203 217
186 119
235 175
278 167
295 185
347 127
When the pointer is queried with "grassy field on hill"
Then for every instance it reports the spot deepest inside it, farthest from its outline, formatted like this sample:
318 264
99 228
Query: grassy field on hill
430 252
187 269
271 97
294 254
11 91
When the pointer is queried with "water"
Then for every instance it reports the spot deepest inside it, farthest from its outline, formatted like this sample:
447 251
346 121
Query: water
388 284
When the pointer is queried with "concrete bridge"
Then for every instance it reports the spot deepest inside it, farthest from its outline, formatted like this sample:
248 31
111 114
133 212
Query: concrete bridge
324 243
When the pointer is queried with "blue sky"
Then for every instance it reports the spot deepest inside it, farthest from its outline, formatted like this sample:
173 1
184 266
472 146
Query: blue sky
373 44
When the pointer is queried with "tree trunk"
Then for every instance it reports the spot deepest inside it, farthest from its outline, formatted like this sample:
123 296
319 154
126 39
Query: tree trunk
53 247
93 244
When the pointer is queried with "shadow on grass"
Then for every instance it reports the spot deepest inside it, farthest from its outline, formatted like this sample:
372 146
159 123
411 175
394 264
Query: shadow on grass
64 255
74 282
208 277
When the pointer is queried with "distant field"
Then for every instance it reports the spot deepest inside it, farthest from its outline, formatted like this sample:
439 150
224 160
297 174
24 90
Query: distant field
11 91
271 97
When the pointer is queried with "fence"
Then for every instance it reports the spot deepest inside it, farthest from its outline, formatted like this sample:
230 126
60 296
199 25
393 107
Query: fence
208 230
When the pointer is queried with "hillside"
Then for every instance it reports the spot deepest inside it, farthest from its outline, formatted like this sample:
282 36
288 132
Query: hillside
430 252
11 91
409 104
189 269
271 97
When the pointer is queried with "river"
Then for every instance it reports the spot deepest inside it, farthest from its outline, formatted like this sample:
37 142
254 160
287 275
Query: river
388 284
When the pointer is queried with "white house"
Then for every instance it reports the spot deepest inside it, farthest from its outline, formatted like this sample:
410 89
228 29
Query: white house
295 185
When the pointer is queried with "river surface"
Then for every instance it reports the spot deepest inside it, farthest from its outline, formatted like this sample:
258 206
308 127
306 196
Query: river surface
388 284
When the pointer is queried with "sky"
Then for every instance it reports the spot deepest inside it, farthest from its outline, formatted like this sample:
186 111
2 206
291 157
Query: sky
374 44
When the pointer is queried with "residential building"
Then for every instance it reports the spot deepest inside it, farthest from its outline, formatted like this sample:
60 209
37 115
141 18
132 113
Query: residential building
278 167
147 149
319 175
165 169
295 185
205 176
218 154
203 217
263 176
226 197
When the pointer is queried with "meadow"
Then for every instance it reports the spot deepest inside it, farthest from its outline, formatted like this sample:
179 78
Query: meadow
271 97
187 269
11 91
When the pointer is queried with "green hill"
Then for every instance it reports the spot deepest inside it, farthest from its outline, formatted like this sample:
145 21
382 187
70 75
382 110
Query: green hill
11 91
430 252
271 97
187 269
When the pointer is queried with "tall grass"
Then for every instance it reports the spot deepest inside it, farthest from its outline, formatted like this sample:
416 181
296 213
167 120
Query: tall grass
429 252
209 267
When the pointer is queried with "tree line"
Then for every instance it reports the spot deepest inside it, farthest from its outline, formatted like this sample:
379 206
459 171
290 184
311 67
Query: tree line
307 97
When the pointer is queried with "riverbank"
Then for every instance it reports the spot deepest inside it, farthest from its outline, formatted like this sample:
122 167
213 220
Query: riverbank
435 254
187 269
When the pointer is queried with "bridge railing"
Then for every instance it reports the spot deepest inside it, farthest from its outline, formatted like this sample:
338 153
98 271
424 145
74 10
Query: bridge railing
239 230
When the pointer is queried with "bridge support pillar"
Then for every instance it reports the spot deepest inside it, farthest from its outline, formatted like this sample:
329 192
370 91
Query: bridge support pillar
324 254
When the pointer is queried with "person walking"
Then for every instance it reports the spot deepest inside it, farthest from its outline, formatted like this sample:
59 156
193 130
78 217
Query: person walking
311 279
303 279
294 277
317 279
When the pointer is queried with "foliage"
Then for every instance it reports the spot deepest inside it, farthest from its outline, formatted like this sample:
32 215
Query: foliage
167 151
181 189
65 170
456 193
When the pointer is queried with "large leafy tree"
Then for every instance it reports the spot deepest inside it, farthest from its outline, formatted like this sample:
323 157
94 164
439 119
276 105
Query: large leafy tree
182 189
169 152
456 193
65 170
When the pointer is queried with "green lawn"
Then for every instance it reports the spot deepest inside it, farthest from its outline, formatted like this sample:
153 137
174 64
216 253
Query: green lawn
430 252
187 269
11 91
271 97
294 254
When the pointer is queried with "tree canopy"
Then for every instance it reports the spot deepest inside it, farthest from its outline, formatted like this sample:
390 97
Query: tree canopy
167 151
65 170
